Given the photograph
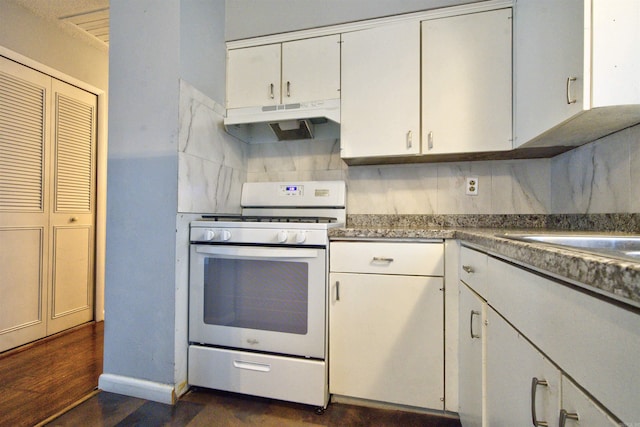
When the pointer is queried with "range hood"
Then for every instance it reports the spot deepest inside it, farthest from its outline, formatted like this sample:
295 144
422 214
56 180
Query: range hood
285 122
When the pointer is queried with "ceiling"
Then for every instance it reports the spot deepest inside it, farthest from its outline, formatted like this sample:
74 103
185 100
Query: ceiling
86 19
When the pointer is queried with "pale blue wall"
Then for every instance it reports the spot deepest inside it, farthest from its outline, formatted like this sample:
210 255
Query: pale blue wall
202 47
252 18
142 189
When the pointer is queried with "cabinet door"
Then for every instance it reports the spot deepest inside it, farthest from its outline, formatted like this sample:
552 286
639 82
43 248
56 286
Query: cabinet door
311 69
522 385
386 338
549 53
577 405
253 76
380 96
466 83
471 357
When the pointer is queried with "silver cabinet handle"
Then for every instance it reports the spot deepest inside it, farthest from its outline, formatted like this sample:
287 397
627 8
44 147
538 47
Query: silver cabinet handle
409 139
473 313
271 95
534 387
564 416
337 290
381 259
468 269
289 89
430 140
569 80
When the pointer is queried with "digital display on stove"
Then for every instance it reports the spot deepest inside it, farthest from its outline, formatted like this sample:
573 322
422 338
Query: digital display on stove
291 190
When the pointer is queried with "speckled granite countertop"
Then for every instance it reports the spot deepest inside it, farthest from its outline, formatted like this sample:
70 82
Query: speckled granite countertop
611 277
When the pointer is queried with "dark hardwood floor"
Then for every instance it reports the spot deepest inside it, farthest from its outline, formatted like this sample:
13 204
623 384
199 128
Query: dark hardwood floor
40 379
201 407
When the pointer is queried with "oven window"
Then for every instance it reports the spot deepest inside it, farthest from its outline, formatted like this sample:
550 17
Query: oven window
256 294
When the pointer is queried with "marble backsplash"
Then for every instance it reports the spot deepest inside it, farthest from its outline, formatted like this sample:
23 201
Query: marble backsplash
212 164
595 178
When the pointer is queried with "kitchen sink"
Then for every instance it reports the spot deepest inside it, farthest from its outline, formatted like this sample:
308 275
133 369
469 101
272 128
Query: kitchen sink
623 247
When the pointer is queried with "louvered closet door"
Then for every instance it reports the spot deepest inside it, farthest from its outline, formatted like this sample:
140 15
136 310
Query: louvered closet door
24 209
72 217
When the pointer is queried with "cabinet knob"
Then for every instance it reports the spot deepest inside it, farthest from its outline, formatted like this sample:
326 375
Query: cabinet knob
73 219
289 89
271 95
468 269
430 140
409 139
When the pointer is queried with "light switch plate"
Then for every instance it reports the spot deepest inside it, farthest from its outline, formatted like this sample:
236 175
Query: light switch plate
471 188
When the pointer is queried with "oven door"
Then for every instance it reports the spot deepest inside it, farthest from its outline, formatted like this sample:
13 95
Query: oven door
267 299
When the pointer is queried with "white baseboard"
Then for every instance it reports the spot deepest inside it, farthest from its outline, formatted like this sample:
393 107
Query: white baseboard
143 389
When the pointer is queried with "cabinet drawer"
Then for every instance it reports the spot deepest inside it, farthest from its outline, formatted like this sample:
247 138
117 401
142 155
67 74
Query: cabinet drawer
264 375
473 270
419 259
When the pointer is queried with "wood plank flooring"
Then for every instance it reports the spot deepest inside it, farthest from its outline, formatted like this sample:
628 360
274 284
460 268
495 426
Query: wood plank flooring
202 407
40 379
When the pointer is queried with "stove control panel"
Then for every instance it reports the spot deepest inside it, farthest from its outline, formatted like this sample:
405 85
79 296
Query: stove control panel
292 190
288 236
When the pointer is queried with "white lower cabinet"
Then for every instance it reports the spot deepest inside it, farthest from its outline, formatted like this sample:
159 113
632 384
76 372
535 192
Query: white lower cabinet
523 387
579 410
552 356
472 335
386 331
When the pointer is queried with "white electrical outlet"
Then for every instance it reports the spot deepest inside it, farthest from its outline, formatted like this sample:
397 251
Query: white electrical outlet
471 188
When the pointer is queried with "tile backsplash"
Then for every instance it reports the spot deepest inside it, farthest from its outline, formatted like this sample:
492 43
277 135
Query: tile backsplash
598 177
212 164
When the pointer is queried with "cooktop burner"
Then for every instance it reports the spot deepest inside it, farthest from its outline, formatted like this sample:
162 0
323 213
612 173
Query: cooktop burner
269 218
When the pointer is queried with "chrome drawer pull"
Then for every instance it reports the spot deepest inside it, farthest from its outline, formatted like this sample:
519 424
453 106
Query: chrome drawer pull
382 259
564 416
534 386
569 100
473 313
337 291
468 269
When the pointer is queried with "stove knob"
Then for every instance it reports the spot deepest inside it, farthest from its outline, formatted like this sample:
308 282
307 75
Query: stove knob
301 236
282 236
209 234
225 235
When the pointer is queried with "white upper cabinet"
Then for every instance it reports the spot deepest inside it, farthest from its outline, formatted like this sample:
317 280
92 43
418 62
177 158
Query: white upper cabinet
284 73
576 70
466 83
311 69
380 102
253 76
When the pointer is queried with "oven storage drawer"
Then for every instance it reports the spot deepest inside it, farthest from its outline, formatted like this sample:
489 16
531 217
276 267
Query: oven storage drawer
419 259
299 380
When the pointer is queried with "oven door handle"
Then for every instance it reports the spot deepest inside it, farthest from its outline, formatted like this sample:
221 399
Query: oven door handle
258 252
